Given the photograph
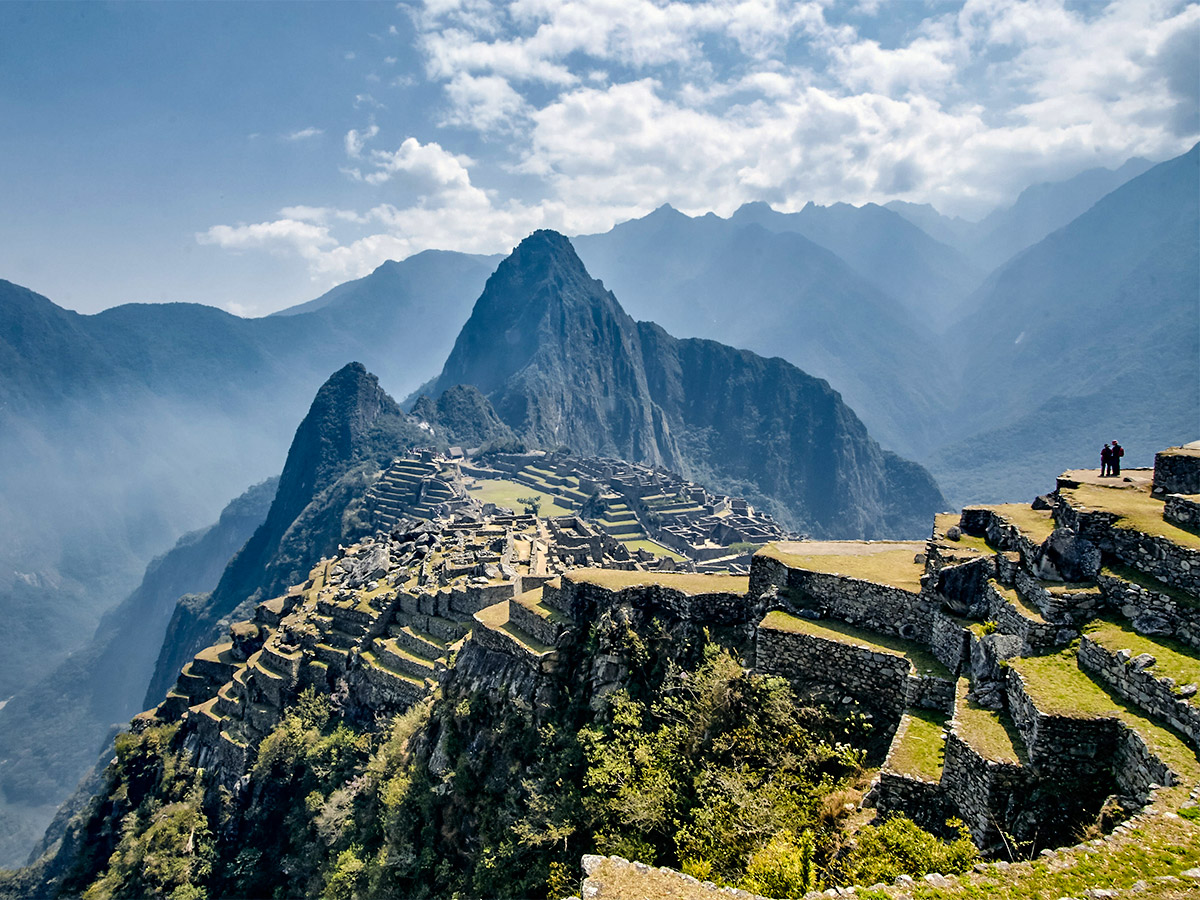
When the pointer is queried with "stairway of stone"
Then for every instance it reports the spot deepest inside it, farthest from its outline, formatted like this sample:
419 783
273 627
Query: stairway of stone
409 487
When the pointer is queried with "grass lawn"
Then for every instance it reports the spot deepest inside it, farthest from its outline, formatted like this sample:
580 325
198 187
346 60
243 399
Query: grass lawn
1136 510
885 562
652 547
1036 524
833 630
1175 660
1028 610
1059 687
944 521
989 733
616 579
505 493
920 750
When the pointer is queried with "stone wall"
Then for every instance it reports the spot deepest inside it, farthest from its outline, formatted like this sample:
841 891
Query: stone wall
930 692
1158 609
1058 744
1136 768
872 677
1001 534
1140 686
1182 510
985 793
1065 606
1176 472
1035 636
1158 557
950 642
877 607
925 802
581 600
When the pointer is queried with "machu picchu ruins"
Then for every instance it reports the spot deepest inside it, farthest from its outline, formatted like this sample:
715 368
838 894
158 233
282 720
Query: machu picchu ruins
1032 665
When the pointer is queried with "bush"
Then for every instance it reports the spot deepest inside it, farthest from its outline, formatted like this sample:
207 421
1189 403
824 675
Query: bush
901 847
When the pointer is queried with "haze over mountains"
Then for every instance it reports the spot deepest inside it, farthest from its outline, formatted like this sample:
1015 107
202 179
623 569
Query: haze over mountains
123 430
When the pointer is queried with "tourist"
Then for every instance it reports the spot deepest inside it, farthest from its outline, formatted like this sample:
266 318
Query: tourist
1105 460
1114 466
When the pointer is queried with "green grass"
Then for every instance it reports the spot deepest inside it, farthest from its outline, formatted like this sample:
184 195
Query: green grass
1174 659
890 564
1036 524
616 579
969 542
505 493
1150 583
989 733
1136 510
652 547
1059 687
1028 610
831 629
920 749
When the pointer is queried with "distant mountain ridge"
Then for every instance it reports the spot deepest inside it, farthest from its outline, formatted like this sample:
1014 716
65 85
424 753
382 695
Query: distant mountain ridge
562 363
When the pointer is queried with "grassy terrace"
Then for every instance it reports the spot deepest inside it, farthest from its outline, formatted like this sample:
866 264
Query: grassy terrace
1175 660
1136 510
943 522
989 733
1036 524
1059 687
495 617
652 547
616 579
920 749
832 630
1150 583
883 562
1028 610
505 493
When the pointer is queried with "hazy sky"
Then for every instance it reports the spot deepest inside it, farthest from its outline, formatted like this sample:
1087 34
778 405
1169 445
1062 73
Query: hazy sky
250 156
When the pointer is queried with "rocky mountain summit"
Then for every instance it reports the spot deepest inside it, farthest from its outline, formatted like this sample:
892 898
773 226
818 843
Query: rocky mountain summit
563 364
383 700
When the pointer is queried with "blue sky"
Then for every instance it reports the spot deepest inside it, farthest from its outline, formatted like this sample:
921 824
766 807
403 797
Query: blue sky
250 156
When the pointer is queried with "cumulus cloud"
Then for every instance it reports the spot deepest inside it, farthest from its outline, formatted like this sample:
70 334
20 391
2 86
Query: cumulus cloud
601 110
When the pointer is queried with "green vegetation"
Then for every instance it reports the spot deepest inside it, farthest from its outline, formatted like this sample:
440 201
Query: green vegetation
1135 509
990 733
652 547
919 751
509 493
922 660
1173 658
1035 524
885 562
1058 687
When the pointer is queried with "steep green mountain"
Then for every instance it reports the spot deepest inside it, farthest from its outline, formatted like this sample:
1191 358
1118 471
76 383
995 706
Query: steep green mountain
353 429
51 732
778 293
562 363
1094 333
466 418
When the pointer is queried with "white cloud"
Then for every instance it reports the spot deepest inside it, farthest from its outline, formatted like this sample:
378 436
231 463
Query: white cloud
305 134
356 140
601 110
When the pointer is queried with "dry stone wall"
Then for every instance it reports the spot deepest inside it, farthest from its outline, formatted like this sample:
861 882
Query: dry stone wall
1182 510
1176 472
1153 611
1136 683
985 793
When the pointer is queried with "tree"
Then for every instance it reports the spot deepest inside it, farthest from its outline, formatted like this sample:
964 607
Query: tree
532 504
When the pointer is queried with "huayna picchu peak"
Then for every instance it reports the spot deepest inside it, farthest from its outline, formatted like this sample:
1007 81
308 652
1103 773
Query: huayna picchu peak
563 365
492 702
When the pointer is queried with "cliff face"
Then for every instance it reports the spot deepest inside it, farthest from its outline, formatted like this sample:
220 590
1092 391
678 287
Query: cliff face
562 363
466 417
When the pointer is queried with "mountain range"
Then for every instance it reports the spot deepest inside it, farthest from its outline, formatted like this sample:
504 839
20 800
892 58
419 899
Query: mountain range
123 430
